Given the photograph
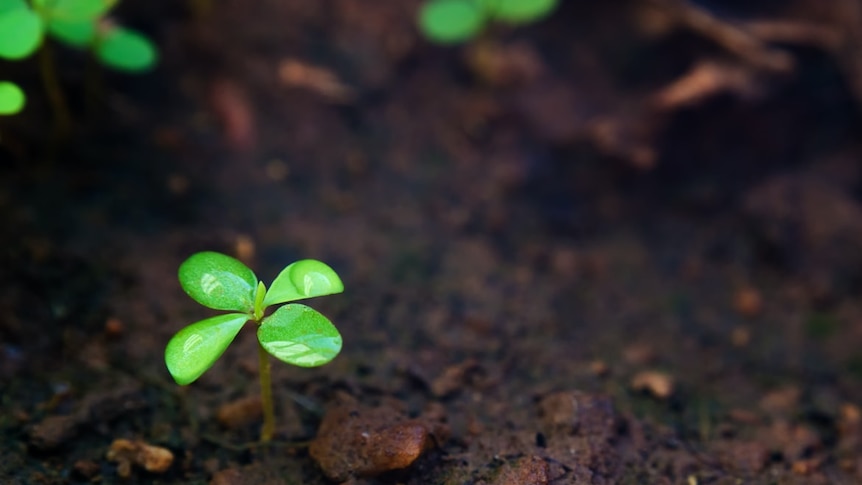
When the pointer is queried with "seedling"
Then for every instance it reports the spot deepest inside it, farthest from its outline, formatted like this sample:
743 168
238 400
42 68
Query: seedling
457 21
293 333
81 24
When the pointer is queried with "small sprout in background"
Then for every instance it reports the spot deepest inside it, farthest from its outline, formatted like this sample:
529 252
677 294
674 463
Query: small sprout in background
294 333
12 98
451 21
124 49
457 21
81 24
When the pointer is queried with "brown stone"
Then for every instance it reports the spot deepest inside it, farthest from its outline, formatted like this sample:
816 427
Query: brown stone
127 453
659 384
358 441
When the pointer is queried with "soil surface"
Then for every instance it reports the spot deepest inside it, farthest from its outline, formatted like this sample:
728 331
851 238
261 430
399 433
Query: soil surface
622 245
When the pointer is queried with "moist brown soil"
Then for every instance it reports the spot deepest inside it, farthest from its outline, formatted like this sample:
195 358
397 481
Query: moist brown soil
556 271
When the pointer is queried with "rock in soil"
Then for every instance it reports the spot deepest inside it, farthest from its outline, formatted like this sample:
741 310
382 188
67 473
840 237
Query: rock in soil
658 384
359 441
126 453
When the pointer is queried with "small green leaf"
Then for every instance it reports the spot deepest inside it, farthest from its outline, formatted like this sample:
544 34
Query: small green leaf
74 9
218 281
9 5
195 348
76 33
305 278
126 50
21 33
518 11
450 21
12 99
299 335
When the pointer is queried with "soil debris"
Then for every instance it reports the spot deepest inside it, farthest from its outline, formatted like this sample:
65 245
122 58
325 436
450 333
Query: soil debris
86 469
455 377
529 470
240 412
577 412
658 384
127 453
748 302
53 431
358 441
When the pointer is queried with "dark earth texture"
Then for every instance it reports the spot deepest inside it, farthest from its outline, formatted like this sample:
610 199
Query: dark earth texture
622 245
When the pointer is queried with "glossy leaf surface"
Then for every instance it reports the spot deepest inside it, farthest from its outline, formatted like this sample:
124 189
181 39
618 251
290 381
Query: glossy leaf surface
195 348
450 21
305 278
299 335
12 98
126 50
21 32
518 11
218 281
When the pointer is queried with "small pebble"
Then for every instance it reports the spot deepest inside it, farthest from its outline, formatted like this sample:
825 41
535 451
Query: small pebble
127 453
113 327
748 302
658 384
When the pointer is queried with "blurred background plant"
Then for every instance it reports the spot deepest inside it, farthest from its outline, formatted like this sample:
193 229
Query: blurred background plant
457 21
80 24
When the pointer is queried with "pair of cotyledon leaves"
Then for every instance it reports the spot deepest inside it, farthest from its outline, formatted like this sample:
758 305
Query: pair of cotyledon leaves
455 21
294 333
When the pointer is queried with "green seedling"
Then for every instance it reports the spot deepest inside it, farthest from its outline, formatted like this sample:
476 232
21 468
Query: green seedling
293 333
77 23
457 21
80 24
12 98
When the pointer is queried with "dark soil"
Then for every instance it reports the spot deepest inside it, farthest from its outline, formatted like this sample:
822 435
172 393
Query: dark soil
557 268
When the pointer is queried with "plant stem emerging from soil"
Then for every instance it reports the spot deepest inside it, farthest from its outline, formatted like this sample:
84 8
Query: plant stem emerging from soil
268 427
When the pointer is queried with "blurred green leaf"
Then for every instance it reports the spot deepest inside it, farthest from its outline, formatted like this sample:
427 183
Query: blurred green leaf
126 50
21 33
12 98
450 21
518 11
74 9
9 5
76 33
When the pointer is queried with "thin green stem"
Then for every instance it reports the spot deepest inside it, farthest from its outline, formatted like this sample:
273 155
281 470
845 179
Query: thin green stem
268 428
53 89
